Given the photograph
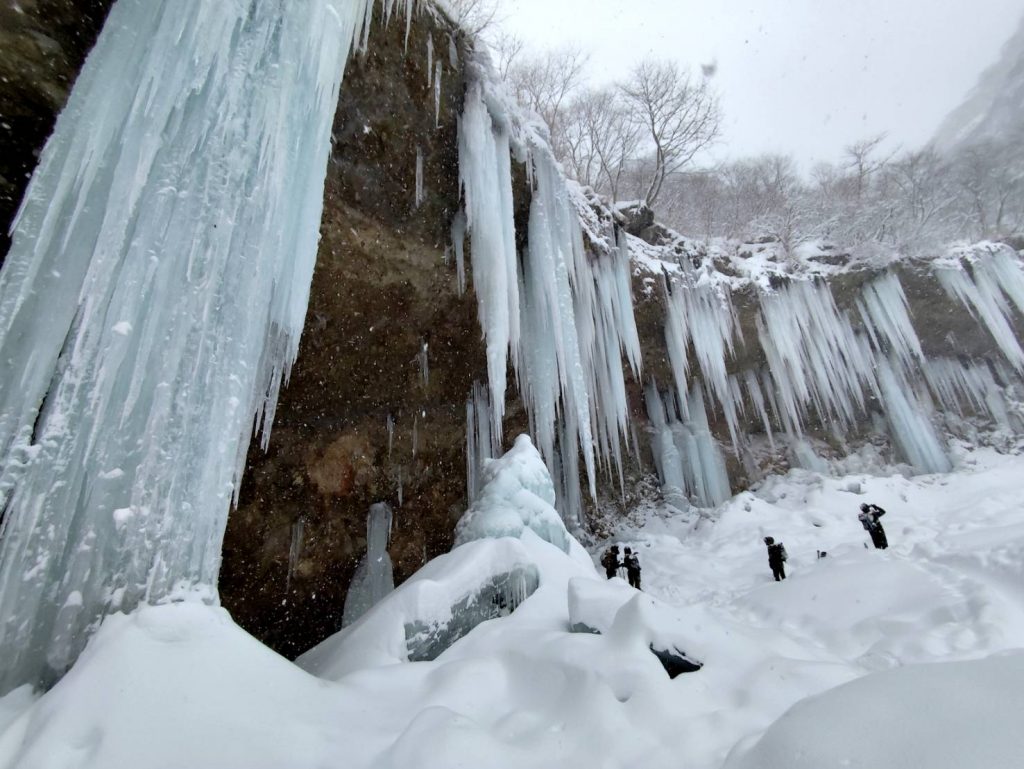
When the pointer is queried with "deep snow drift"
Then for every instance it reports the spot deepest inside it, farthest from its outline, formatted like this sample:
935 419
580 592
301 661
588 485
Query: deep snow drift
180 685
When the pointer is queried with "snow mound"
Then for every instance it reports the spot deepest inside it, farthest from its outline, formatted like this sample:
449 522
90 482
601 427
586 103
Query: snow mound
174 685
517 495
942 716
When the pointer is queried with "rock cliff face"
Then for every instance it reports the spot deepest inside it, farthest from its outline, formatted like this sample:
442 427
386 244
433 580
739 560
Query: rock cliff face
389 341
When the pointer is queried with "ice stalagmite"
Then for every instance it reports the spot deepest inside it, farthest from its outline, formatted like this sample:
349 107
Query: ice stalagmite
152 302
374 578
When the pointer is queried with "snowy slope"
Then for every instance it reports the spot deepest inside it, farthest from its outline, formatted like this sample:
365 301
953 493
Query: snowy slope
180 685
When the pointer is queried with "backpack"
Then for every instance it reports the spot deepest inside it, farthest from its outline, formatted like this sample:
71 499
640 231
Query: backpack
782 552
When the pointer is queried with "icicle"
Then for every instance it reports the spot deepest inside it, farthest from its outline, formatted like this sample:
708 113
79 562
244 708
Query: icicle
295 551
485 171
423 362
415 435
420 194
757 398
438 70
459 243
481 441
400 485
390 423
814 357
911 425
883 308
430 60
149 334
997 278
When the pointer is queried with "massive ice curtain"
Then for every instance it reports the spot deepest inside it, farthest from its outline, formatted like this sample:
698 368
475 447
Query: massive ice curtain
152 302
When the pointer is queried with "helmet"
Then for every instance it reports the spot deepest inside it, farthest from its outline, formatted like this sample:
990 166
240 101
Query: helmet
615 548
864 508
628 550
769 540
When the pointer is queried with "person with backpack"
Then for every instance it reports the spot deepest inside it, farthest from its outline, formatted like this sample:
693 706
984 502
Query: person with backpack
869 515
632 564
777 557
610 561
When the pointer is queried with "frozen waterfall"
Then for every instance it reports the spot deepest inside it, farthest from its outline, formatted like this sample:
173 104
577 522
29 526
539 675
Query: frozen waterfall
152 302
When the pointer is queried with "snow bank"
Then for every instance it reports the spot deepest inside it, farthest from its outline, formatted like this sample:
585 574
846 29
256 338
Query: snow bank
942 716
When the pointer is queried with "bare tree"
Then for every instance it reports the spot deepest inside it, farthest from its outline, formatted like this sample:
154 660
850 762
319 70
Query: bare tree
545 83
507 48
862 161
475 16
601 138
680 117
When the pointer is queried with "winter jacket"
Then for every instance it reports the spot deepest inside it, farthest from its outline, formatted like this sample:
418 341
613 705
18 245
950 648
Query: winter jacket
777 554
869 518
610 561
632 563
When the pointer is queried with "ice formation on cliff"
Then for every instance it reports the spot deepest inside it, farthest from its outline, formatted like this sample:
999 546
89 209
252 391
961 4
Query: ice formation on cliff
152 302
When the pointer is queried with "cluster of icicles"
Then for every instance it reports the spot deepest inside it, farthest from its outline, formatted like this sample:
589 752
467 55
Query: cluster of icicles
825 368
152 302
563 315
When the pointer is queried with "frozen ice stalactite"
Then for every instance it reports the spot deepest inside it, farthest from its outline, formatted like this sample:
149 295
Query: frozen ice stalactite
960 387
423 363
566 320
152 303
420 194
482 443
295 550
374 577
702 314
551 364
883 308
517 494
815 358
910 422
485 171
687 457
997 281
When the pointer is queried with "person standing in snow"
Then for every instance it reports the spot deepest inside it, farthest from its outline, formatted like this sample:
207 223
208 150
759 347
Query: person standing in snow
610 561
632 564
869 515
776 558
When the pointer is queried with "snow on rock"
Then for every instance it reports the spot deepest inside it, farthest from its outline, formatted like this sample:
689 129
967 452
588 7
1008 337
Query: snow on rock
517 495
944 716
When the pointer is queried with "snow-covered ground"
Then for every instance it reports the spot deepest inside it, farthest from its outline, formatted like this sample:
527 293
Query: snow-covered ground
827 669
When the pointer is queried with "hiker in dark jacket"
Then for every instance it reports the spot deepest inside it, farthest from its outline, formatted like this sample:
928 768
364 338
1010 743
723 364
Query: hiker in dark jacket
776 558
632 564
869 515
610 561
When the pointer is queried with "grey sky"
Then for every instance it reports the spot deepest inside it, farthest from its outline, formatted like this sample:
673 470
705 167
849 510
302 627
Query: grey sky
805 77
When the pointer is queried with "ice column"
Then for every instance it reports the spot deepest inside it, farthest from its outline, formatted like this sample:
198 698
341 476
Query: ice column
151 304
374 576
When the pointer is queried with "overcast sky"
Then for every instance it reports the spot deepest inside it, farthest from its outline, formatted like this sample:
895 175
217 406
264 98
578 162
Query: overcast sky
805 77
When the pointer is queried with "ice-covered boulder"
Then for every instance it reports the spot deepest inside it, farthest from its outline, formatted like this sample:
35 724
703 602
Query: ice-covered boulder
631 618
439 605
517 495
